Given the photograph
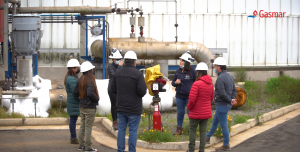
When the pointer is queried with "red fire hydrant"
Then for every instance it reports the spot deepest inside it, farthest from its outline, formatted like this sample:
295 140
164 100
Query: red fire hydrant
157 87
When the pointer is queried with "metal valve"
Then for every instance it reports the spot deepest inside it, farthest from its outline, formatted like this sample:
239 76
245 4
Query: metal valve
96 30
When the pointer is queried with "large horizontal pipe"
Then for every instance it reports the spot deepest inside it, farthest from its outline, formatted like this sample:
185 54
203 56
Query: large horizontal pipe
79 9
157 50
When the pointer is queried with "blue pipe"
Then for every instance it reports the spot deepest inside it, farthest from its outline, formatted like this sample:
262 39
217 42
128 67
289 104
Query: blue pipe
86 38
35 64
8 73
104 51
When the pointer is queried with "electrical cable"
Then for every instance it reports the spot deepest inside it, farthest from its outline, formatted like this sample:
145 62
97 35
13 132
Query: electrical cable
84 28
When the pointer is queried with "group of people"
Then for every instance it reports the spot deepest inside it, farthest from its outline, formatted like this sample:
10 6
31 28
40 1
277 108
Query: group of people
126 89
194 90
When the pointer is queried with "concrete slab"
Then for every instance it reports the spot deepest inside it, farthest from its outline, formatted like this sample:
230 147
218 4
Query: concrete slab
265 117
296 106
276 113
11 122
237 129
45 121
287 109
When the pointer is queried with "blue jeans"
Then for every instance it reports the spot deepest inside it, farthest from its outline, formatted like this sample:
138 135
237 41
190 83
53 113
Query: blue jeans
181 103
133 124
72 126
220 118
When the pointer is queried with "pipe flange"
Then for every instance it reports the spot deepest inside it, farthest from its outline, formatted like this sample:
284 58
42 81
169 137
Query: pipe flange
113 10
60 86
60 97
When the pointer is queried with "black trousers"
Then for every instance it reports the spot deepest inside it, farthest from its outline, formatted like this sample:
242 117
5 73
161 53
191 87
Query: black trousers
113 103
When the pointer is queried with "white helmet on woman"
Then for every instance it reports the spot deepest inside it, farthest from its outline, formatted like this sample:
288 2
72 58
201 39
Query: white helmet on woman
187 57
86 66
73 63
202 66
115 54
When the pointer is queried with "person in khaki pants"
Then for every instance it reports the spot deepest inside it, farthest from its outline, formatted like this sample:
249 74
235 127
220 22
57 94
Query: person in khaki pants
87 92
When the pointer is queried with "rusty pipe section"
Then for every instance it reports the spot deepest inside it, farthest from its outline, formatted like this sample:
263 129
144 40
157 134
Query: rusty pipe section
157 50
79 9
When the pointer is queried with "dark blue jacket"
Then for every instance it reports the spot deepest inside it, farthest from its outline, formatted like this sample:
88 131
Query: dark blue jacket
224 89
187 79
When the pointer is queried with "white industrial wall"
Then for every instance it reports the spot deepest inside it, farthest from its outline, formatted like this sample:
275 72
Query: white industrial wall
214 23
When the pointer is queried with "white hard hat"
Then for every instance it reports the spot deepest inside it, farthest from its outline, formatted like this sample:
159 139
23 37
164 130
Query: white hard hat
130 55
219 61
86 66
115 54
202 66
73 63
187 57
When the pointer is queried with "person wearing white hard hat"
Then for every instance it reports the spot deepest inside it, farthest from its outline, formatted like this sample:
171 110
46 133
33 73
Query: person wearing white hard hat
87 92
112 68
183 80
129 85
199 106
72 101
225 97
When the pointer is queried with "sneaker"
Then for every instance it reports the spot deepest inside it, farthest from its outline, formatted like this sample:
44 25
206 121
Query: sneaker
223 148
207 140
92 149
81 148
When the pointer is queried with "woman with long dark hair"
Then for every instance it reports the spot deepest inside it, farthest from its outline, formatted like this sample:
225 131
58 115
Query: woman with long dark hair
183 80
199 106
72 101
87 92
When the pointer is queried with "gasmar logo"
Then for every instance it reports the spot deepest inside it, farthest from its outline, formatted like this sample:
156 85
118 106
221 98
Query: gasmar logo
263 14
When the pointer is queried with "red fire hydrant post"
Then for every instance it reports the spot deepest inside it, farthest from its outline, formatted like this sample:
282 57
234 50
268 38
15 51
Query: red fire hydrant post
157 87
156 118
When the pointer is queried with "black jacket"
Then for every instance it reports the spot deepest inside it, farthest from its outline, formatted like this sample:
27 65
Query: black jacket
112 68
187 79
91 100
224 89
129 85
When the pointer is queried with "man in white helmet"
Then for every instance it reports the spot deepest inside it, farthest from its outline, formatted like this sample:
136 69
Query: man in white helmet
112 68
129 85
225 97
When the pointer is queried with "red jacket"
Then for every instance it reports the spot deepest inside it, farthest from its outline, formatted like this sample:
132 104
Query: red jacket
201 95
